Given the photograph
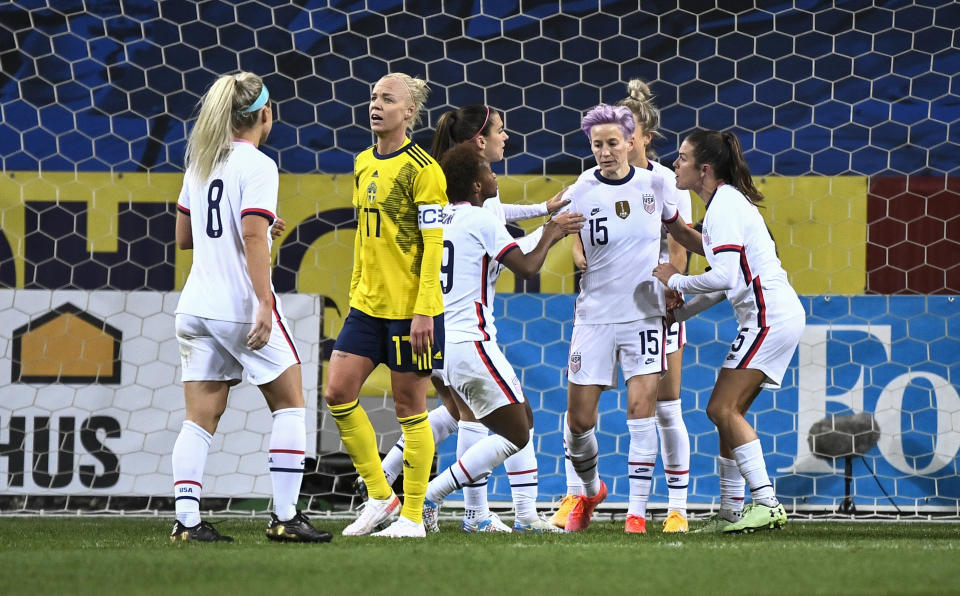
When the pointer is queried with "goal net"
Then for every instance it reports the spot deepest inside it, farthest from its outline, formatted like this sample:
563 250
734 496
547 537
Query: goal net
847 114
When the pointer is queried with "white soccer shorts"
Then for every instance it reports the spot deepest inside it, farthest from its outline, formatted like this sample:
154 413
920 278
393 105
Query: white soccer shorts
595 350
767 349
480 373
213 350
676 337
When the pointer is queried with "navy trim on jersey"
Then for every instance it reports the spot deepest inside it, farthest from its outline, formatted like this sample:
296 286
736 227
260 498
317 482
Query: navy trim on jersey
183 209
623 180
485 265
261 212
419 155
504 252
377 155
481 322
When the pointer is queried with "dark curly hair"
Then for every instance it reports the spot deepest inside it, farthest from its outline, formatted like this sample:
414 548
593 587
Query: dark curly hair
461 165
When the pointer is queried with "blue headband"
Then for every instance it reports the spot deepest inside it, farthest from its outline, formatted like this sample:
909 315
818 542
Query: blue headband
260 101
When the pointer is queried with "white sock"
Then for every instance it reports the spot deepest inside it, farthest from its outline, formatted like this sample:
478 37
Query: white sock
731 489
288 441
476 464
753 469
392 463
189 458
441 423
642 458
675 451
584 453
475 504
574 484
522 472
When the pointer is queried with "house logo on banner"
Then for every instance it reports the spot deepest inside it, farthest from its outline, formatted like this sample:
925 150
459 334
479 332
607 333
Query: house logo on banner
66 345
95 402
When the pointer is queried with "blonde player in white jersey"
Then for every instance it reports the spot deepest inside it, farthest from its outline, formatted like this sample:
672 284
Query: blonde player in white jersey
619 315
672 431
481 127
474 367
744 268
229 323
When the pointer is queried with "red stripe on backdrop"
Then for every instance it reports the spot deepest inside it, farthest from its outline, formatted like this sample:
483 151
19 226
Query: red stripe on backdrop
913 235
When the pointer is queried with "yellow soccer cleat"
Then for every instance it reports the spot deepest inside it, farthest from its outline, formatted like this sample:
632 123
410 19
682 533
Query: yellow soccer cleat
559 519
675 524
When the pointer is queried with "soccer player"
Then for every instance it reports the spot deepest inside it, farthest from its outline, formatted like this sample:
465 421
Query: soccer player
619 314
474 366
674 439
744 268
229 320
396 308
482 127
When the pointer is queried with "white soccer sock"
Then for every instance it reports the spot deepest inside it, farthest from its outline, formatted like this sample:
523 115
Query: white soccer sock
675 452
475 504
753 469
476 464
642 458
522 472
574 484
584 455
441 423
731 489
288 441
189 458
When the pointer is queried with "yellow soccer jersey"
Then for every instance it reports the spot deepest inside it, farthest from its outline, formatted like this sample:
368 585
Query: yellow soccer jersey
399 241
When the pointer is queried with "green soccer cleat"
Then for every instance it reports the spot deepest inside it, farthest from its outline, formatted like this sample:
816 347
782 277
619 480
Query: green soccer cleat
758 517
715 524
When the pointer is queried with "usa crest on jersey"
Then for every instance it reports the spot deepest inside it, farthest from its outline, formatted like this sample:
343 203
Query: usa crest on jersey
623 209
649 204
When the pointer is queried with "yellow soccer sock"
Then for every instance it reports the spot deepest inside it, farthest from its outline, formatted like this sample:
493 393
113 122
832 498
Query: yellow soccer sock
358 437
417 461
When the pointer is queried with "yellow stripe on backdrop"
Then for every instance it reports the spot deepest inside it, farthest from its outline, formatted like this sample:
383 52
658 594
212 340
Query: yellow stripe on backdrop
819 224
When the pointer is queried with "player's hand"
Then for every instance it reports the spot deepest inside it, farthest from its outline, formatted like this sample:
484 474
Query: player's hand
557 202
674 299
580 261
278 227
563 224
663 271
262 325
421 334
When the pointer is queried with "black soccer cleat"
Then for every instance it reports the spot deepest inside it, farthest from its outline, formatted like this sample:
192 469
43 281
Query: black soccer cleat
202 532
295 529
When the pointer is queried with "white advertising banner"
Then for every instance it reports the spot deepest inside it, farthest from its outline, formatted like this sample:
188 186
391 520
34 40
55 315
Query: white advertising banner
91 400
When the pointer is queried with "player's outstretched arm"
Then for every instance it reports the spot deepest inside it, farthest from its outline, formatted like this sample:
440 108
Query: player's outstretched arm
685 235
527 265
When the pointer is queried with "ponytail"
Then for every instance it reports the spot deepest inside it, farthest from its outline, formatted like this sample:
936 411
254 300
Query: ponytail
457 126
645 113
725 155
225 110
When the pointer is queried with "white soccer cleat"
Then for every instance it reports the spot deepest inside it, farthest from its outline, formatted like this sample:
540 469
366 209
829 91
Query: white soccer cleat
374 513
403 528
541 526
492 524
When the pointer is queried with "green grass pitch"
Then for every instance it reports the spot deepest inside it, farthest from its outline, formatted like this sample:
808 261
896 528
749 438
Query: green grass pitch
120 556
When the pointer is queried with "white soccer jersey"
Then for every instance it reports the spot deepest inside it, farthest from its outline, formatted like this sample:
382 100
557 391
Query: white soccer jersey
511 212
245 184
743 263
681 199
621 242
472 238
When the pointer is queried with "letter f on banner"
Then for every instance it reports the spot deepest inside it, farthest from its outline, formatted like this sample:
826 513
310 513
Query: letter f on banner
812 389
